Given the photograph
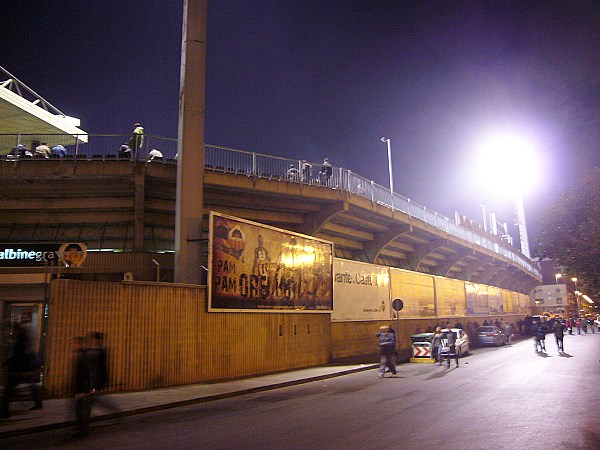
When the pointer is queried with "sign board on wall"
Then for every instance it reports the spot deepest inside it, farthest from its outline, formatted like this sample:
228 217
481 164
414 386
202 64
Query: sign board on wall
28 255
361 291
35 255
254 267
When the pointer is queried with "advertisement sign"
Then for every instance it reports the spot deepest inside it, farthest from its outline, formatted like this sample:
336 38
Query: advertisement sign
254 267
28 255
361 291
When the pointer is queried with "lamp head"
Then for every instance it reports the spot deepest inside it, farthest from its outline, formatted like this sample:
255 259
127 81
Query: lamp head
383 139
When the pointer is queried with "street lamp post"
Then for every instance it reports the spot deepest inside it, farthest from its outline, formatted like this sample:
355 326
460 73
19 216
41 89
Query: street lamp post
389 154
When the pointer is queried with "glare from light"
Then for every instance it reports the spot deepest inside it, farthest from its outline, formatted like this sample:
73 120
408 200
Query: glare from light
588 299
509 162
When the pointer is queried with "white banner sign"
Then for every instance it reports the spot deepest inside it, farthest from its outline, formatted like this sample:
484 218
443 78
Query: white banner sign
361 291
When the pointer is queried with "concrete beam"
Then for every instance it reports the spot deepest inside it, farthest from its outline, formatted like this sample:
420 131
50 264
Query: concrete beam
382 239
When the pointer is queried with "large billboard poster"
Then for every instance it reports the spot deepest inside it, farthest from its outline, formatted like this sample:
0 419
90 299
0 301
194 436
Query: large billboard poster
361 291
254 267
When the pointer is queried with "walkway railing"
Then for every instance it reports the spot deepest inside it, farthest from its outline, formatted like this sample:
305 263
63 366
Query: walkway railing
227 160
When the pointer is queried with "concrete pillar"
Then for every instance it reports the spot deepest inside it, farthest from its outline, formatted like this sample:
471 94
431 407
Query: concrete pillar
190 149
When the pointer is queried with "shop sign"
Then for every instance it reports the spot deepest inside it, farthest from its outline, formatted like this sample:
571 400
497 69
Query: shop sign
35 255
28 255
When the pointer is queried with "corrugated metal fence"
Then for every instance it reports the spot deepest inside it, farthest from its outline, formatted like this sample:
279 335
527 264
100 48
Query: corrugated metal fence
160 335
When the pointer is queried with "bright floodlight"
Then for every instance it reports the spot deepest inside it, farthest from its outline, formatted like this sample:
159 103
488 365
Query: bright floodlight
508 161
588 299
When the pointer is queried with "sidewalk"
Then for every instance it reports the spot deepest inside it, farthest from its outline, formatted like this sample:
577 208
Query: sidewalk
59 413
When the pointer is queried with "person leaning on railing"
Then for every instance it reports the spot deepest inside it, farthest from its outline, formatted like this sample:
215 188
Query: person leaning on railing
58 151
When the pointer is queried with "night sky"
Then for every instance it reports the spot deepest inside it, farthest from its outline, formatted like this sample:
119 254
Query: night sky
315 79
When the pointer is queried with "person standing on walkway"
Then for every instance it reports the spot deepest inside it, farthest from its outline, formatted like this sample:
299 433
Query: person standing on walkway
451 343
326 172
559 331
387 348
136 142
578 325
436 346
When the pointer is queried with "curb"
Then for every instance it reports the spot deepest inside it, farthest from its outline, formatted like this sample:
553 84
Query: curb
181 403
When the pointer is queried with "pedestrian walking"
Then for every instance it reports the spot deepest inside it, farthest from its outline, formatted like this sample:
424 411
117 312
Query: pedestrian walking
21 367
387 347
540 338
451 344
98 359
436 346
86 380
559 330
578 325
508 331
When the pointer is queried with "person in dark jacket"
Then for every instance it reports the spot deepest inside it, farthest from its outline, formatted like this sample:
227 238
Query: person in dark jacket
387 349
540 338
21 367
451 343
559 330
85 382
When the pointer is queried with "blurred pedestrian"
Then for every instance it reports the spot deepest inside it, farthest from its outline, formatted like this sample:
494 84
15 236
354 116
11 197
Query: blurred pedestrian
508 331
86 380
98 363
387 348
326 172
451 344
21 367
292 173
540 338
306 171
436 346
559 329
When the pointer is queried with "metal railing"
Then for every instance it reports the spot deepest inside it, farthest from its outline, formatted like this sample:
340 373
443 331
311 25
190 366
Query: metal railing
227 160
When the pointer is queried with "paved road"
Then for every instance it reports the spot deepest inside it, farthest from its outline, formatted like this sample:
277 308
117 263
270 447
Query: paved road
499 398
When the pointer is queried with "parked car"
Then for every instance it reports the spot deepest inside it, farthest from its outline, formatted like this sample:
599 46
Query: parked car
490 335
462 341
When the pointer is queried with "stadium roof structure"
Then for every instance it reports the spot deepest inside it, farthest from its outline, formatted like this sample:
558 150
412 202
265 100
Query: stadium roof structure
24 112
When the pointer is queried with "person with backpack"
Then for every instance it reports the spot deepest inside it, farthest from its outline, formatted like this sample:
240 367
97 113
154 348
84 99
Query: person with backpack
540 338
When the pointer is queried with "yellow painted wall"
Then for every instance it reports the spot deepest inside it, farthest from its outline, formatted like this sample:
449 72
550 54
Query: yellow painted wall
450 297
416 290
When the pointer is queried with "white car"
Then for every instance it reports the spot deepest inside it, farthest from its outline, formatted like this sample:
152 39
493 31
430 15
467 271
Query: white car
462 340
